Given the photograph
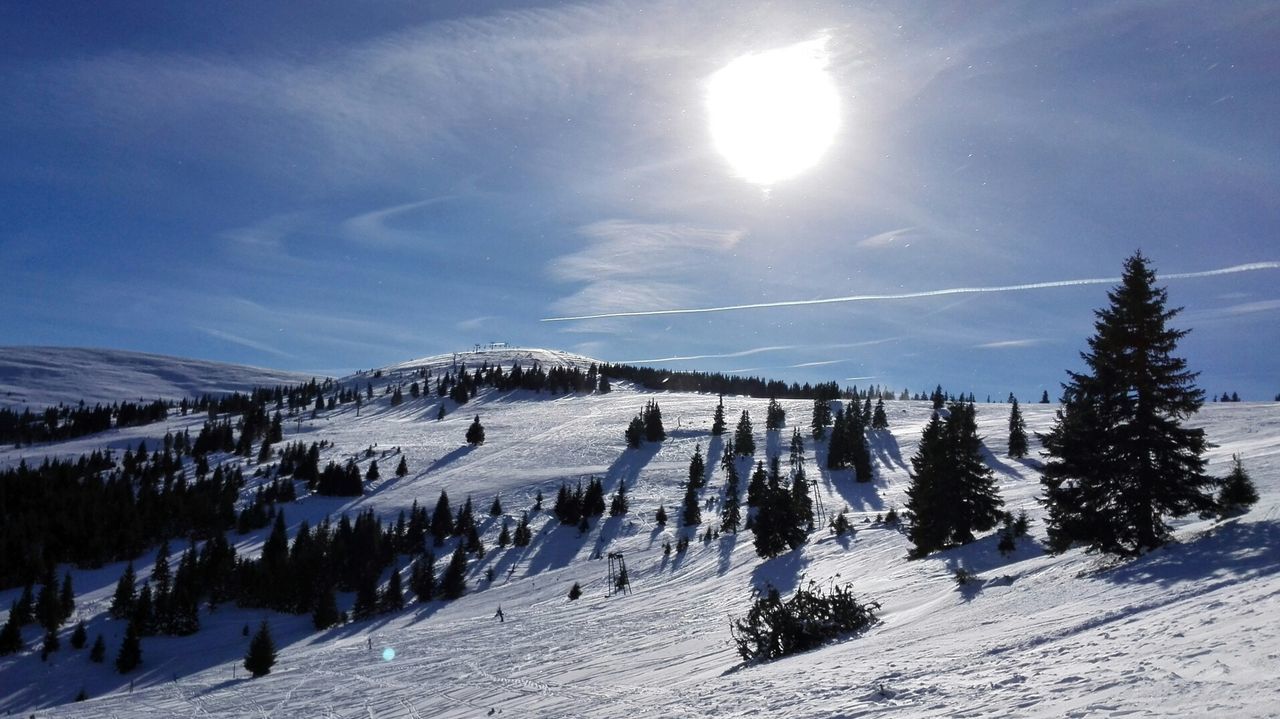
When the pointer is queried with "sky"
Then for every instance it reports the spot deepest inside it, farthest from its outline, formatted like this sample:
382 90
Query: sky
330 186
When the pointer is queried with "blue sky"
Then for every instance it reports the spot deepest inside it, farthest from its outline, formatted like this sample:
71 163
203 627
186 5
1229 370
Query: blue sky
330 186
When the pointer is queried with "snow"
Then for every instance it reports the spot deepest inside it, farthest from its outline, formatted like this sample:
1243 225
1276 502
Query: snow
39 377
1189 630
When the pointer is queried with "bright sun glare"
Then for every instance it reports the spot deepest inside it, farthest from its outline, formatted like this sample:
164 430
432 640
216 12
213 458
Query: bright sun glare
774 114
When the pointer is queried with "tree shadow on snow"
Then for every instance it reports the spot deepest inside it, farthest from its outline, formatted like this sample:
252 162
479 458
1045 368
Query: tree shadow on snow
885 448
783 572
451 457
557 545
1233 551
996 463
727 542
626 468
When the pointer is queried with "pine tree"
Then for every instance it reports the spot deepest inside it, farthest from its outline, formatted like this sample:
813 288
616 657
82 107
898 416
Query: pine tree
653 429
1044 398
743 443
691 515
635 432
23 612
48 609
660 516
604 388
523 535
495 509
1237 493
422 579
79 636
821 418
392 599
98 653
618 506
325 614
697 468
122 601
403 468
775 416
66 599
262 652
130 654
11 634
440 413
1120 459
575 591
475 433
730 513
927 495
1017 432
372 475
756 486
453 583
50 644
441 519
879 420
366 604
717 421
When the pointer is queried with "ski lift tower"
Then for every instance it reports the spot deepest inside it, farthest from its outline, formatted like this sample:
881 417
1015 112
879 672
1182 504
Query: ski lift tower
619 583
817 502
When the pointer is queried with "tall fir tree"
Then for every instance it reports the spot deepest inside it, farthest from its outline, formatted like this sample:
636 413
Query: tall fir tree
731 512
697 468
453 583
475 433
262 652
821 418
879 420
775 416
743 442
130 654
1120 459
717 421
1017 432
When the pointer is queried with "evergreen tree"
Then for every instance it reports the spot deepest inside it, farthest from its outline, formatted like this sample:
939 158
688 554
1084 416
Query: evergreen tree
927 495
743 443
635 432
1237 493
697 468
879 420
821 417
11 634
130 654
79 636
50 644
23 612
866 411
475 433
575 591
262 652
422 579
618 506
691 515
453 583
441 519
653 429
604 387
1120 459
730 513
495 509
325 614
66 599
523 535
717 421
392 599
504 537
366 604
372 475
403 468
660 516
122 603
802 504
440 413
98 653
48 609
775 416
1044 398
756 486
1017 432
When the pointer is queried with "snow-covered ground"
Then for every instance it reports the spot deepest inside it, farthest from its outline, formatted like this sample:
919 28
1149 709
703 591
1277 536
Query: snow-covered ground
1189 630
39 377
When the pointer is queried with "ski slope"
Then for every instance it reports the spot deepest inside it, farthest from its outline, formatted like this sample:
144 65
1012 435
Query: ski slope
39 377
1190 630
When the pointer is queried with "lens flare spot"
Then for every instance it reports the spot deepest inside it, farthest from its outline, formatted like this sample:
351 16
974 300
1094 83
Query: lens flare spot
388 654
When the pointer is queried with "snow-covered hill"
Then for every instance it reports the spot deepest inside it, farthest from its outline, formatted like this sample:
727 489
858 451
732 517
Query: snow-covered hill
39 377
1189 630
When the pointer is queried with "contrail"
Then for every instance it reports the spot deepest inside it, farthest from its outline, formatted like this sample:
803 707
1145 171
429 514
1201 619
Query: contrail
1251 267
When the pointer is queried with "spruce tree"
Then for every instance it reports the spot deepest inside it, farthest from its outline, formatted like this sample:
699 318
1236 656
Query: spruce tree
660 516
717 421
66 598
130 654
475 433
743 443
1120 461
635 432
325 614
372 475
122 603
1017 432
262 652
756 486
48 609
453 583
422 579
697 468
392 599
98 652
79 636
11 634
1044 397
775 416
50 644
1237 493
495 509
731 513
441 519
821 418
618 505
691 516
879 420
653 429
403 468
23 612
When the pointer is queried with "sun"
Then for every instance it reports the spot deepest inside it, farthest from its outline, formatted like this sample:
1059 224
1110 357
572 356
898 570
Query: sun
774 114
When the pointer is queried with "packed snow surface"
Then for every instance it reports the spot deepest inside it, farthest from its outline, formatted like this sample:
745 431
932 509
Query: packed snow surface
1192 629
39 377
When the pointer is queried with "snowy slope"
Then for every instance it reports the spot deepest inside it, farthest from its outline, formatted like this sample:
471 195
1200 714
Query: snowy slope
1190 630
39 377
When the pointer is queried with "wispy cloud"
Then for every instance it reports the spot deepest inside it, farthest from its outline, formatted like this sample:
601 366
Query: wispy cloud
244 341
1251 267
885 239
1009 344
